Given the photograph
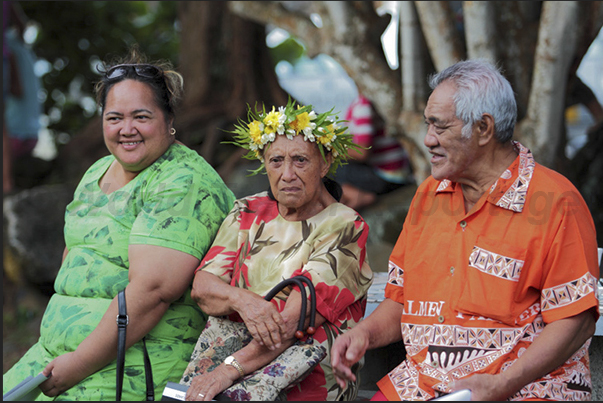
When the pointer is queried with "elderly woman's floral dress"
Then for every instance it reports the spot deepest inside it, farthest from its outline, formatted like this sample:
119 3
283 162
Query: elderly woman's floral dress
256 248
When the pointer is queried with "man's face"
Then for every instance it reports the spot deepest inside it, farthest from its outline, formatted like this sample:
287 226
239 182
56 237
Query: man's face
452 155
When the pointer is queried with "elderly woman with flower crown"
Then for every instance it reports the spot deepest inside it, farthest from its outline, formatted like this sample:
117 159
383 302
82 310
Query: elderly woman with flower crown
297 227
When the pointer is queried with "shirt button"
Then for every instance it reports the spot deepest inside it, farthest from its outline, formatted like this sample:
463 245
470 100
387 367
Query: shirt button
452 270
441 319
434 364
463 224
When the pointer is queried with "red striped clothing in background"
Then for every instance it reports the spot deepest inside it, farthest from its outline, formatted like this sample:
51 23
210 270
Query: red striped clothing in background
387 156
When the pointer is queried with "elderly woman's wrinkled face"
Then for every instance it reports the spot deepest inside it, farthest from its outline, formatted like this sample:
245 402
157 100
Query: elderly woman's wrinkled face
295 170
134 126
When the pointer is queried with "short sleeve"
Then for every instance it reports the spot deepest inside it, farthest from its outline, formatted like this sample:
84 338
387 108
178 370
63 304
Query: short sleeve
571 270
182 209
221 258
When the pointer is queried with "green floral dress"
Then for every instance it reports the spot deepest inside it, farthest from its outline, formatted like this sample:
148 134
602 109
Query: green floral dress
256 248
178 202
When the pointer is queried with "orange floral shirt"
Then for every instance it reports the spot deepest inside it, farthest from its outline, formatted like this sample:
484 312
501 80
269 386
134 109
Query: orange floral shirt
479 287
256 248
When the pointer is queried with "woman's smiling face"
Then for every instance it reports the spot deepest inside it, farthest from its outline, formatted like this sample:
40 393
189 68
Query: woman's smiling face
134 127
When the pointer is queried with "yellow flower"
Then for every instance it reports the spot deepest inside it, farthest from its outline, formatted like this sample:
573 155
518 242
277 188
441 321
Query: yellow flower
272 121
255 131
328 137
301 122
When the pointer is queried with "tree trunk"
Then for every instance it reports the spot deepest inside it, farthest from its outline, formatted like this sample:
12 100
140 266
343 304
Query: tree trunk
200 20
441 36
543 125
226 65
412 60
479 30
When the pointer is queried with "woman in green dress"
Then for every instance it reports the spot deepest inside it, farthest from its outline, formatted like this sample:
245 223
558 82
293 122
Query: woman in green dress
141 219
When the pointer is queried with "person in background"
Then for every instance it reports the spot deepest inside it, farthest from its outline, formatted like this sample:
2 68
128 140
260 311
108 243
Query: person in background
297 227
493 280
10 17
23 108
141 220
380 167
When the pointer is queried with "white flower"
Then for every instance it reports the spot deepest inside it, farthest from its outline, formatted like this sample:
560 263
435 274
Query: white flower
282 118
308 130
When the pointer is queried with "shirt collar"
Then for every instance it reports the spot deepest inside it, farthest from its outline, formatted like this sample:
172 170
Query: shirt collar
509 191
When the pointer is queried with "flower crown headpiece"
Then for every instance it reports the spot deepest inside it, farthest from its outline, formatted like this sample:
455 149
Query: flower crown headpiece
323 129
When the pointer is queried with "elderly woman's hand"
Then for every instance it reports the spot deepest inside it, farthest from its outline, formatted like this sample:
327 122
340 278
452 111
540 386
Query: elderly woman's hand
217 297
262 319
206 386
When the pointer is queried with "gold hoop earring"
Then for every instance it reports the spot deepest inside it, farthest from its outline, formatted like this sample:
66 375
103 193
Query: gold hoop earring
172 131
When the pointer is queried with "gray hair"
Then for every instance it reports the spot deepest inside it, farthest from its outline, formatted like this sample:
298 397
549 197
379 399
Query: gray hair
481 88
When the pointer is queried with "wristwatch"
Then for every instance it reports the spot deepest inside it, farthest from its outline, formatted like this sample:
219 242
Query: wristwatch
230 360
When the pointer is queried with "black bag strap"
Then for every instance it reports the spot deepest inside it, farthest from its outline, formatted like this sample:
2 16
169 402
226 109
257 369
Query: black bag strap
122 323
299 281
148 372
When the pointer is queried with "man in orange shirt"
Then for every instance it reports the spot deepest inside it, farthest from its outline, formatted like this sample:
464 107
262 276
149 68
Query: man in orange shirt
493 279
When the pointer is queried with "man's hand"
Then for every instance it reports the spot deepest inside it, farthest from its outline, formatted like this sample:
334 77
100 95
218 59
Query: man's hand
557 342
347 350
485 387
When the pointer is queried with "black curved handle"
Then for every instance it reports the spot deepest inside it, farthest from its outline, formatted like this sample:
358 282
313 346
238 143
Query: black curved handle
312 300
299 282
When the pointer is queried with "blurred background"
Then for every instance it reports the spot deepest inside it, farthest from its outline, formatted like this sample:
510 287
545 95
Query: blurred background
323 53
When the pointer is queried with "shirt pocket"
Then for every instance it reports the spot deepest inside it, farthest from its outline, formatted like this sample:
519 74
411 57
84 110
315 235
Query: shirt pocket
492 281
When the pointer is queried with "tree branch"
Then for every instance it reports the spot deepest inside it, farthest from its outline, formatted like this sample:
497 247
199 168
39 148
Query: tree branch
438 27
413 68
479 30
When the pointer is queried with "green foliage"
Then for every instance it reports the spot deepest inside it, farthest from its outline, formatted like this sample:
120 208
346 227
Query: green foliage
74 35
291 50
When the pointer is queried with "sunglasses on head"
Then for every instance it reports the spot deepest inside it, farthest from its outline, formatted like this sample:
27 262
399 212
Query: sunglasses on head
142 70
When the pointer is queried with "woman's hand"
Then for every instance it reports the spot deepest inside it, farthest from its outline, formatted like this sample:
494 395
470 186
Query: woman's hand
158 276
218 298
65 371
206 386
262 319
